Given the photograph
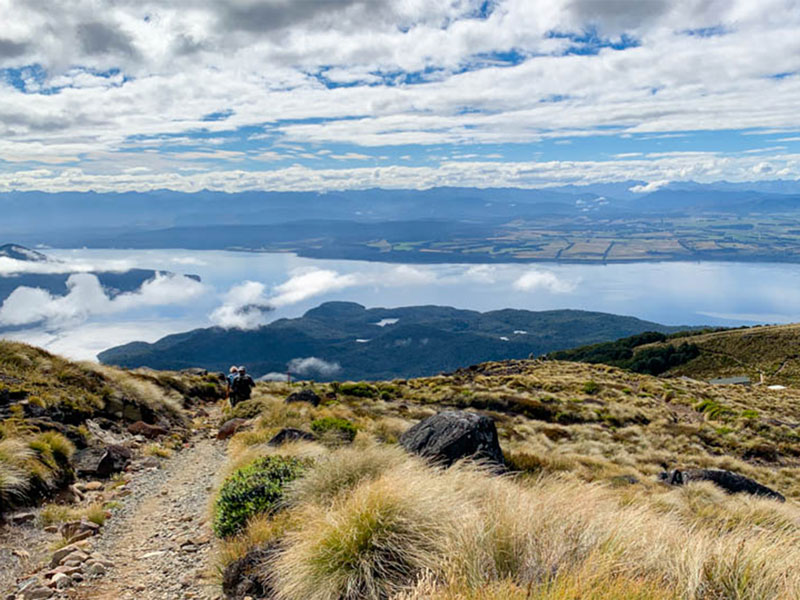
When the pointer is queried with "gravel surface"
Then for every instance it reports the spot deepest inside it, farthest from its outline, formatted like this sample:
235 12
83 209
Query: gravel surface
159 540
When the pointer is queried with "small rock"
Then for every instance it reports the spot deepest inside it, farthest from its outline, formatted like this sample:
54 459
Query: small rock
20 518
61 554
95 569
51 529
37 593
230 427
145 430
87 533
93 486
61 581
149 462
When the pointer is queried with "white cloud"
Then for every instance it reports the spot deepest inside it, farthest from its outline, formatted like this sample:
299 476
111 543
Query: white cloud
86 297
313 365
649 187
10 266
244 306
274 376
164 71
307 283
537 280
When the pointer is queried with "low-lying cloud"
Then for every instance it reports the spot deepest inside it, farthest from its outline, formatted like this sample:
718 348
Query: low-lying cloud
11 266
86 297
307 283
243 307
547 281
312 365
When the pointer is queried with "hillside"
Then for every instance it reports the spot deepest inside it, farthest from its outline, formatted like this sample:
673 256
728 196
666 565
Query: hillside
347 513
769 351
53 412
379 343
583 514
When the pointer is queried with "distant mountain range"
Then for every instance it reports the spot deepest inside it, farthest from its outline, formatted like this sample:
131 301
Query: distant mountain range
596 223
346 341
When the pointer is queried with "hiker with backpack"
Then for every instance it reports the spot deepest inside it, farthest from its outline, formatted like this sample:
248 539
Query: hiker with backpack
241 386
232 373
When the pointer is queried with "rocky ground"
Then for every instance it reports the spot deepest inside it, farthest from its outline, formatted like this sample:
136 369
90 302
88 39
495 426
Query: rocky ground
155 545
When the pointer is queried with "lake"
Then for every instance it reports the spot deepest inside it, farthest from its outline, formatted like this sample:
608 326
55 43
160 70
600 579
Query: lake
240 283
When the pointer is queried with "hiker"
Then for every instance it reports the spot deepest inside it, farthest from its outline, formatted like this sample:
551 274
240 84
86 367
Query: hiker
241 386
232 373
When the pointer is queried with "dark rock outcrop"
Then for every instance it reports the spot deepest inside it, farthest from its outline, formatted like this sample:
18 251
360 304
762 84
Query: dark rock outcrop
305 395
246 576
146 430
731 482
229 428
452 435
102 461
289 434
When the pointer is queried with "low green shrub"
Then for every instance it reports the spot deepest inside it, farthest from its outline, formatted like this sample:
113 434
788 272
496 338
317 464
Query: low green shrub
340 428
253 489
591 387
359 390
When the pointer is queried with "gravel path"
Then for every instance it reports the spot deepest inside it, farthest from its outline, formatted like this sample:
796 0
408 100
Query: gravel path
159 540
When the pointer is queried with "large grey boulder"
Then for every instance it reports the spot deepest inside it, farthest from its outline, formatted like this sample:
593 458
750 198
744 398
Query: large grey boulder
452 435
731 482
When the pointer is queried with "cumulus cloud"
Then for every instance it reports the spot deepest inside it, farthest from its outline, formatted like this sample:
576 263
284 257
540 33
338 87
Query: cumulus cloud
91 79
313 366
86 297
307 283
537 280
244 306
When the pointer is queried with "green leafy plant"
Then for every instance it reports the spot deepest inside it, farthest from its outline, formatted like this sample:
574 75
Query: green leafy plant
340 428
254 489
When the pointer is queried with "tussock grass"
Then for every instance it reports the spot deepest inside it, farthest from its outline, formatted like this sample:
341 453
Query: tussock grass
156 450
53 514
474 535
369 544
140 389
341 471
31 465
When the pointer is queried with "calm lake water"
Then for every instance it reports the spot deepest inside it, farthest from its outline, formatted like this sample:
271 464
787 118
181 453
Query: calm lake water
674 293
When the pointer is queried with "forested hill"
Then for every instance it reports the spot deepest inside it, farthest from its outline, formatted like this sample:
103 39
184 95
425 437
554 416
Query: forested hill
343 340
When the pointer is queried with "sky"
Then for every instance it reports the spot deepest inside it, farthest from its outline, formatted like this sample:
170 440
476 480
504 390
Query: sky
118 95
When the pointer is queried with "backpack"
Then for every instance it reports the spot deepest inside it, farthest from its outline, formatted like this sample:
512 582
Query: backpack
241 386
